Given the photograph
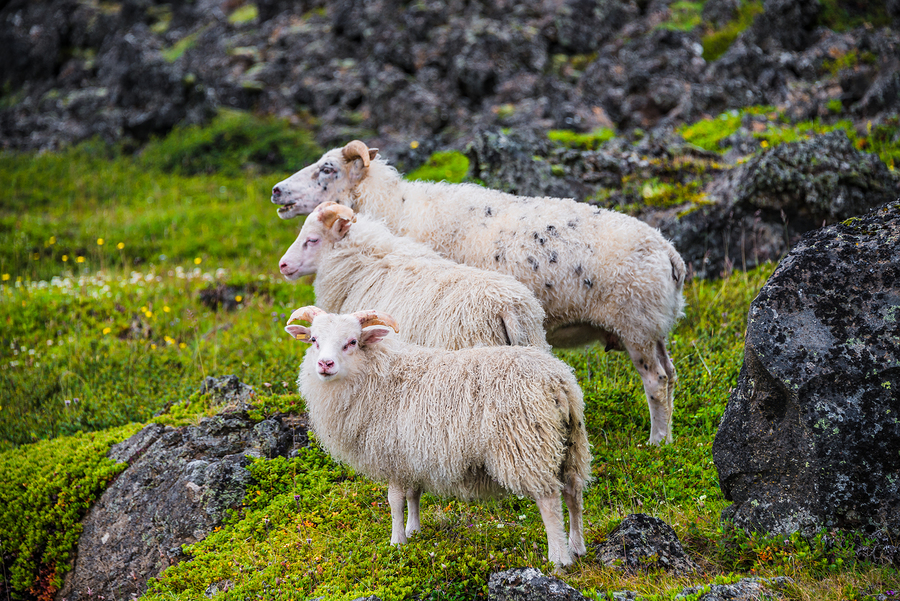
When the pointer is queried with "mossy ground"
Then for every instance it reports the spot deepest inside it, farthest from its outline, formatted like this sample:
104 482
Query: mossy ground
125 333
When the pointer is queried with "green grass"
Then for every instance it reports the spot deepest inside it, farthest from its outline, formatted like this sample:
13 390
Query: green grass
126 334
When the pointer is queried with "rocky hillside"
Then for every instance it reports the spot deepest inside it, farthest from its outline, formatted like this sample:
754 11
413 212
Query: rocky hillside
393 71
668 110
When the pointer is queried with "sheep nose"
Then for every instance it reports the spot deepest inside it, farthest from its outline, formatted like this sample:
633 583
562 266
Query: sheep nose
326 363
282 266
276 194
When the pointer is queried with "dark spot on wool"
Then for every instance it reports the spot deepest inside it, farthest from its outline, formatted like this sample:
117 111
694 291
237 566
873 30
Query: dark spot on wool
488 212
548 285
588 283
551 229
573 224
538 237
402 199
553 256
578 270
533 262
497 258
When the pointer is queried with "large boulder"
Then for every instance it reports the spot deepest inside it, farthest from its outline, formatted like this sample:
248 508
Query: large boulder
178 487
761 208
810 436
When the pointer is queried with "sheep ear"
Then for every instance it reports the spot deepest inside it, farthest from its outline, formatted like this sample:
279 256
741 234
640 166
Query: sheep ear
299 332
341 226
373 152
373 335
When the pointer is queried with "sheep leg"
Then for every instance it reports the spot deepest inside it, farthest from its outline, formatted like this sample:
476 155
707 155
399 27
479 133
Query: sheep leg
575 504
551 513
397 500
412 500
669 367
657 387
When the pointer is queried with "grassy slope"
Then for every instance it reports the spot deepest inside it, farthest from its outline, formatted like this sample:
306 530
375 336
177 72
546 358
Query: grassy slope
125 333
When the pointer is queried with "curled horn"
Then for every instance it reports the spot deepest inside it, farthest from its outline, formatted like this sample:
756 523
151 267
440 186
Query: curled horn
356 150
331 211
374 318
308 313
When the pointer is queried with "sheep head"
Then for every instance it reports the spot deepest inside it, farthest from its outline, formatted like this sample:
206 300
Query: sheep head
338 339
332 178
328 223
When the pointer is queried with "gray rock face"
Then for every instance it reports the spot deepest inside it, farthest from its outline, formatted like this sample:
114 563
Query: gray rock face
748 589
762 207
529 584
810 436
178 487
642 542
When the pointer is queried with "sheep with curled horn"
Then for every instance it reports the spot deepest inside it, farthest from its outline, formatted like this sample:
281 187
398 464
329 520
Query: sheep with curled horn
472 423
599 275
359 263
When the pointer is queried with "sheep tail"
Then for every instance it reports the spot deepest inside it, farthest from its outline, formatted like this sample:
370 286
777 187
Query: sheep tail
515 332
678 268
576 465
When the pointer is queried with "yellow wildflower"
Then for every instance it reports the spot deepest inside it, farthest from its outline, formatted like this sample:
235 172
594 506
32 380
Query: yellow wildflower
80 259
120 245
107 330
197 261
99 241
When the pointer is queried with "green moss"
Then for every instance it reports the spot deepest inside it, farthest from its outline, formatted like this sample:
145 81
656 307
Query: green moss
449 166
684 16
835 106
716 43
244 14
588 141
175 52
235 141
841 15
45 491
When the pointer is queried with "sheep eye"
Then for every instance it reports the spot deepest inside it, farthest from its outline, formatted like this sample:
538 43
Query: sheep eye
349 344
312 340
326 169
310 242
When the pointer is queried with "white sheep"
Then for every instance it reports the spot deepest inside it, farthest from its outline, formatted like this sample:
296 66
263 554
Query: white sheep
472 423
600 275
359 264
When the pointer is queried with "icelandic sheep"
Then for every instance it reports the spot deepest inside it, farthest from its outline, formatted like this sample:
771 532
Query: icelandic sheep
471 423
600 275
359 264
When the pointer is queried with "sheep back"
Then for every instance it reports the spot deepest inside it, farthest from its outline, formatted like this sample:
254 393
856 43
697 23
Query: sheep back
580 261
470 423
440 303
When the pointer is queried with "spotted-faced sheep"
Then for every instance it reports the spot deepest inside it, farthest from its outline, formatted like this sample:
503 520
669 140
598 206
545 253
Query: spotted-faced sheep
600 275
359 263
471 423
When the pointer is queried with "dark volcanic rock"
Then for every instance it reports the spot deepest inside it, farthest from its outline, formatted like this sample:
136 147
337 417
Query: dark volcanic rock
178 487
810 436
748 589
762 207
642 542
529 584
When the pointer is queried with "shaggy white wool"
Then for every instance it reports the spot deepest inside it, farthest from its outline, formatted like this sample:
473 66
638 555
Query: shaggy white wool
599 275
361 265
471 423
